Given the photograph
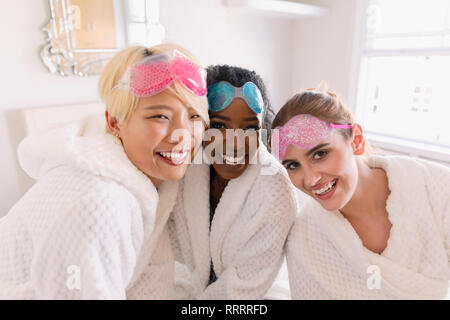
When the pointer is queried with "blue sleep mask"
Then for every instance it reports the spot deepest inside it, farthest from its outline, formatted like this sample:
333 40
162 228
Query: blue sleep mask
221 94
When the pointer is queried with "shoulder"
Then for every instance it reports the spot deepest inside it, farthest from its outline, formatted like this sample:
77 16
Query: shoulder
409 169
417 181
272 196
272 176
91 187
103 199
275 186
69 195
307 229
406 164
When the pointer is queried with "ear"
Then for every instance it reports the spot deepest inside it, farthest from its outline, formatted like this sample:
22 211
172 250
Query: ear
112 124
358 143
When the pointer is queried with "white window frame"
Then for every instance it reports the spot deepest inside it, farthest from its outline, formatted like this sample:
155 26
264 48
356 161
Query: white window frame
151 21
387 144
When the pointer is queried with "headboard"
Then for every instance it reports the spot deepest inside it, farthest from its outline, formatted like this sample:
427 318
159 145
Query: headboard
41 119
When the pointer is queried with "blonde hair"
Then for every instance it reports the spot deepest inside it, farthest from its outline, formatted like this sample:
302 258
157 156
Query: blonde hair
121 104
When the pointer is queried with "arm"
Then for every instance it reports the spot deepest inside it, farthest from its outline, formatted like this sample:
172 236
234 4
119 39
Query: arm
257 262
183 282
87 252
438 185
174 224
302 284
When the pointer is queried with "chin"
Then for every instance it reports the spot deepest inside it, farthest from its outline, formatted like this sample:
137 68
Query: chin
174 175
228 174
177 175
330 207
333 205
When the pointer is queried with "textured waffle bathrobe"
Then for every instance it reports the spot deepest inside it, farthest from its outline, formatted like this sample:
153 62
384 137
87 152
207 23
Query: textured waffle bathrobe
327 260
247 237
92 227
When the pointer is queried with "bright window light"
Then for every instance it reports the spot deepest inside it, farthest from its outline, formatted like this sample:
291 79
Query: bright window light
405 70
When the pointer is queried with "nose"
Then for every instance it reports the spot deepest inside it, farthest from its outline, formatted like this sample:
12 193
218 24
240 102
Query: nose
235 142
181 131
311 177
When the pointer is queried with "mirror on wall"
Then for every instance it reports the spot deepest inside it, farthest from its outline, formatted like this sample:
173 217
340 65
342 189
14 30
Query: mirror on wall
82 35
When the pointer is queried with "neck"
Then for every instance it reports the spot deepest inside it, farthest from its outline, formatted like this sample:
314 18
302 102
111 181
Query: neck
218 185
217 180
155 182
370 195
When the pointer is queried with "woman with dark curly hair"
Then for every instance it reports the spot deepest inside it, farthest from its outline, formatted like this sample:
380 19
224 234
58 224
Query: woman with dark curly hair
233 213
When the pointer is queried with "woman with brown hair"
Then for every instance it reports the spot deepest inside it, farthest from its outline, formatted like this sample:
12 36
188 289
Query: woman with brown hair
371 227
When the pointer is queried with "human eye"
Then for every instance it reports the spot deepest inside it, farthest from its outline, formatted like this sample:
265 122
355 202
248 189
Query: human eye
195 117
253 128
320 154
291 165
158 117
217 125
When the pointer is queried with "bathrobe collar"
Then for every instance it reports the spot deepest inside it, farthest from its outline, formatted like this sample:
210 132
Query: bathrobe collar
197 210
344 238
85 145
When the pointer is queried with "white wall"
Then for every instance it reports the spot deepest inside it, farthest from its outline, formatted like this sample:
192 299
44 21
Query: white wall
26 83
329 49
217 36
323 49
203 26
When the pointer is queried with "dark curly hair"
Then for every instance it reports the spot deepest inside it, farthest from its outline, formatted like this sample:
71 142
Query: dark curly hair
238 77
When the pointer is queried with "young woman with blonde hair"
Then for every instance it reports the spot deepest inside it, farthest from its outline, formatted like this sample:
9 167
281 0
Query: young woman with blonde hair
371 227
94 224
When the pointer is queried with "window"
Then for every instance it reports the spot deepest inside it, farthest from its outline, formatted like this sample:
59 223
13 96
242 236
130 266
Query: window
140 21
404 88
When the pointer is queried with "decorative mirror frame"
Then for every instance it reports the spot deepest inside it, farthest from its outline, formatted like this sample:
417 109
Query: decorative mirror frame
58 54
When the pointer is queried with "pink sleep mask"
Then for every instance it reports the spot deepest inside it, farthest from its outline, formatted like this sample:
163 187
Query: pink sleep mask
156 72
303 131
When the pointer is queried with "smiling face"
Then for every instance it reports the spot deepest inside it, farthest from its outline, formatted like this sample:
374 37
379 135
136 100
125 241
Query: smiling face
236 155
328 172
161 136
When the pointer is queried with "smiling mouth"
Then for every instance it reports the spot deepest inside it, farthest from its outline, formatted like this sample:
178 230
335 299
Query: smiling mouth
233 161
325 189
174 158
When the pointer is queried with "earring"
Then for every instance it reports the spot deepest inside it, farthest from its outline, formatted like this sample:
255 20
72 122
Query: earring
117 140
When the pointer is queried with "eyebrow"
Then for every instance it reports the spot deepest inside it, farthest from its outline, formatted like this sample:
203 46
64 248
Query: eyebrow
220 117
229 119
316 148
308 153
251 119
157 107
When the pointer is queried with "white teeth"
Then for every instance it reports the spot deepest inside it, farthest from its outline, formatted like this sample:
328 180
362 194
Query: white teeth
325 189
173 155
232 160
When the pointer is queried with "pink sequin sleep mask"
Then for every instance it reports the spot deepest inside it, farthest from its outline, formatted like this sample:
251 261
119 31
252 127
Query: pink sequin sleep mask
156 72
303 131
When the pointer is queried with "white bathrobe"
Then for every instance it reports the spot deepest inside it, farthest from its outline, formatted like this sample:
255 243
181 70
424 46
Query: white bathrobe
248 232
327 260
92 227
